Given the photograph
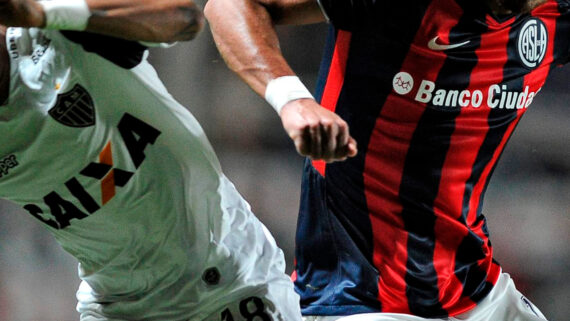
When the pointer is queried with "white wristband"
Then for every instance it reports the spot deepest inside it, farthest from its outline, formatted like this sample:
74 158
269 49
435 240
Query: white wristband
66 14
284 89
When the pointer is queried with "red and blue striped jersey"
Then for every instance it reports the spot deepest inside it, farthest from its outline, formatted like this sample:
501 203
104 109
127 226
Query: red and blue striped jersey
432 90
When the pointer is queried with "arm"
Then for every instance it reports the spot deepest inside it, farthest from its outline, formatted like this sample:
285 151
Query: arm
245 35
144 20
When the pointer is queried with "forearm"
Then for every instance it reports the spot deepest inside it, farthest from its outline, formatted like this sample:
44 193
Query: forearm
146 20
245 35
143 20
246 38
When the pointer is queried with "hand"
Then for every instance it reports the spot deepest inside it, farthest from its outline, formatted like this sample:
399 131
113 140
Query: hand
21 13
317 132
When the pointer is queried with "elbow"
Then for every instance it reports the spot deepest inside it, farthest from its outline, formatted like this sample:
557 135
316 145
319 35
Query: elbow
218 11
222 11
212 8
181 20
191 22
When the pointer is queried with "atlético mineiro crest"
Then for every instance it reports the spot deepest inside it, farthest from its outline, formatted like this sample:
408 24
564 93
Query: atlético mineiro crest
74 108
532 42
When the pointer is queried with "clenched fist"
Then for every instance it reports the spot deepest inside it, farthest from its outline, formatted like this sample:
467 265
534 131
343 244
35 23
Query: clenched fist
317 132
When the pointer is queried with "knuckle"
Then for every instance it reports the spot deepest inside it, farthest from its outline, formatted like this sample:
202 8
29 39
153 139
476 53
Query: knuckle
313 125
327 122
343 127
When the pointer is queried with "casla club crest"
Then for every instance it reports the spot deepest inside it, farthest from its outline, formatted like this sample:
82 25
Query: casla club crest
532 42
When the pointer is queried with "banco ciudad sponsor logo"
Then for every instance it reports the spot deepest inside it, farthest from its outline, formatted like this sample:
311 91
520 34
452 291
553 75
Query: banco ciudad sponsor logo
494 96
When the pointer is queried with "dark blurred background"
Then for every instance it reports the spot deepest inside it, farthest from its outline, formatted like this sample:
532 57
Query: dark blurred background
527 203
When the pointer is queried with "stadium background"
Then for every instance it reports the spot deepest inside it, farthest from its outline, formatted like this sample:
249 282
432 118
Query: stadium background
527 203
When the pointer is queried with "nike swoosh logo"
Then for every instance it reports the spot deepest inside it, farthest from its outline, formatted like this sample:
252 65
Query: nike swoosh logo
433 45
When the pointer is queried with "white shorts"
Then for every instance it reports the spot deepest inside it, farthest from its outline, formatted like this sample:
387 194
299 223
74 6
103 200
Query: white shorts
266 295
504 303
276 301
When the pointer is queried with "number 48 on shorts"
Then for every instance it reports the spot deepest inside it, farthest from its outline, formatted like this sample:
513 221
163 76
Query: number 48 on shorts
250 309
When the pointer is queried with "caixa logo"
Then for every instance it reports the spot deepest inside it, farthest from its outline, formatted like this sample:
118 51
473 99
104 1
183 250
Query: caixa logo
532 42
57 210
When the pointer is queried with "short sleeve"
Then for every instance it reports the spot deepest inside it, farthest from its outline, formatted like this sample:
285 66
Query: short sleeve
123 53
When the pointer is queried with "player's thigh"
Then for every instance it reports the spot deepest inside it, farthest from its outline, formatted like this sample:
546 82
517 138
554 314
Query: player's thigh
276 301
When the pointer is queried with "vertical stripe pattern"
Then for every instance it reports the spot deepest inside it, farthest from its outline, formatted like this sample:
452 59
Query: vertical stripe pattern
423 169
335 79
432 92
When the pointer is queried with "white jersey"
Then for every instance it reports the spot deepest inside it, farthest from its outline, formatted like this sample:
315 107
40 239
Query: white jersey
94 147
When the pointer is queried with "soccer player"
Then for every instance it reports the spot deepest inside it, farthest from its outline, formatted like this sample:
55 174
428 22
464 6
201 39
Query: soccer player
94 147
431 91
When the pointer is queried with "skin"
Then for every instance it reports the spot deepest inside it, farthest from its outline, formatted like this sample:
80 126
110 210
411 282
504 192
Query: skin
146 20
255 56
142 20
